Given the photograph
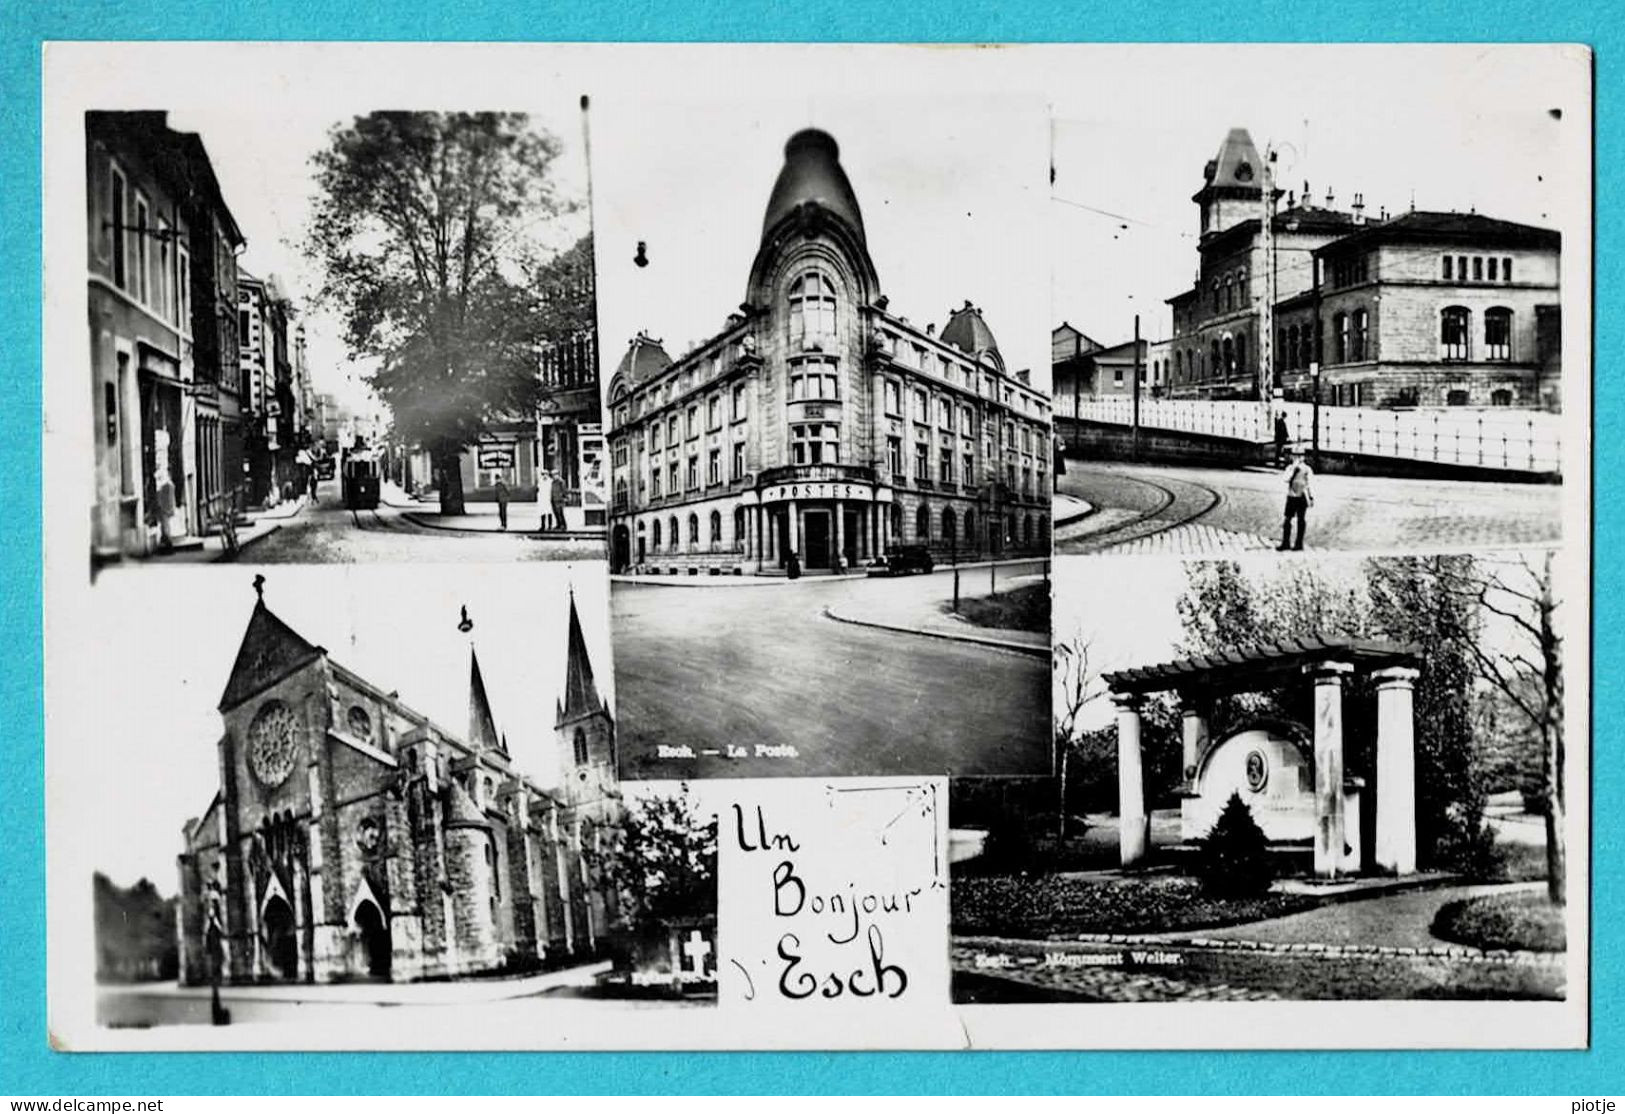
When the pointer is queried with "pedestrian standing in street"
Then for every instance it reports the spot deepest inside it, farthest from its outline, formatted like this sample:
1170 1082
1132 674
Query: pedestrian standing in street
163 486
1299 498
544 500
558 502
1281 438
502 502
1060 460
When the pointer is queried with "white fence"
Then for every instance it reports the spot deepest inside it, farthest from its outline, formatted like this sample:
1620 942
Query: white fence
1523 440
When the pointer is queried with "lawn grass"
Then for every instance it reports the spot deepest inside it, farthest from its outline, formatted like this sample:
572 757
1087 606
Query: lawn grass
1025 608
1524 921
1046 906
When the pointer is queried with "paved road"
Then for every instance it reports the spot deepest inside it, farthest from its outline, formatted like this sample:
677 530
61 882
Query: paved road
1198 511
327 533
760 670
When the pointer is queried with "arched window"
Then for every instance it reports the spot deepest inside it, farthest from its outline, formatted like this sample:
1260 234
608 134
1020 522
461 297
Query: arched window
1214 363
1501 396
1306 346
1027 530
922 523
1454 322
1340 338
739 527
897 524
1357 336
693 531
812 308
1498 333
949 526
970 527
676 538
716 528
1229 294
1241 353
656 534
580 746
1043 530
1228 360
1179 367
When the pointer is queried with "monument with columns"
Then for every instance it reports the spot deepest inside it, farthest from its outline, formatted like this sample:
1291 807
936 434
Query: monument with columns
1293 777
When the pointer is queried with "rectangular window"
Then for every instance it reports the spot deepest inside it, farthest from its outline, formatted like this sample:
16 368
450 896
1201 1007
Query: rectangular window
739 402
921 468
968 425
967 464
894 455
673 435
714 468
166 273
671 473
141 273
922 410
1461 268
654 437
713 413
120 232
1453 333
739 460
654 482
693 472
1498 334
1478 268
1117 376
183 265
894 400
1449 269
945 466
693 421
1506 269
1494 265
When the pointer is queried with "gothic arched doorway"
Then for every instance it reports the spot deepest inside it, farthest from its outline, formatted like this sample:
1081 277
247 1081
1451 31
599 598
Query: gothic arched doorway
374 939
281 943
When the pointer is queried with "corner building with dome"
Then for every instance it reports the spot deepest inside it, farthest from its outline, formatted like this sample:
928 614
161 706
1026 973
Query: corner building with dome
819 422
353 838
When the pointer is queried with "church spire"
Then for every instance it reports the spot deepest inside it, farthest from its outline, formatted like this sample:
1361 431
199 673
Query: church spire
482 727
580 691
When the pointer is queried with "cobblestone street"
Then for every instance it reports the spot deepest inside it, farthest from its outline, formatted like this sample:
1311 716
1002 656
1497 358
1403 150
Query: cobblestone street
1202 511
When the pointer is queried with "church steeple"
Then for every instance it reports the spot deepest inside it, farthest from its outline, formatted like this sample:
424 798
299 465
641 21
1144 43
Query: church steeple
482 727
580 690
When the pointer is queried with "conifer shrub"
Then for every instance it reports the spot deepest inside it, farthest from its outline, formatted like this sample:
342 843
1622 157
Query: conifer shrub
1233 860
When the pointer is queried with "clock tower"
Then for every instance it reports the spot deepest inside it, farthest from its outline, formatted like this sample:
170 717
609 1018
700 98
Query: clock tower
1233 184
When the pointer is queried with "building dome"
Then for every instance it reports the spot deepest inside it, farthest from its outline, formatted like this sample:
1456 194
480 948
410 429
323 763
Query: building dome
812 174
967 332
644 359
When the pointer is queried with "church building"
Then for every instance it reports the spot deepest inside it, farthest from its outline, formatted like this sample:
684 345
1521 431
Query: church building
820 423
354 838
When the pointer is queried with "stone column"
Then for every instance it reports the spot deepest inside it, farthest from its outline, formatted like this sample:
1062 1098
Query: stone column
1133 823
795 530
1193 736
1396 770
838 532
1329 818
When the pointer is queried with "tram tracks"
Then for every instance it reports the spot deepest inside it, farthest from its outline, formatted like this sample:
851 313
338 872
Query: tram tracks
1177 503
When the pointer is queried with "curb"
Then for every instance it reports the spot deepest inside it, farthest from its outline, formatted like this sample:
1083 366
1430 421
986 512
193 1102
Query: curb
1073 519
418 519
243 547
993 643
1502 957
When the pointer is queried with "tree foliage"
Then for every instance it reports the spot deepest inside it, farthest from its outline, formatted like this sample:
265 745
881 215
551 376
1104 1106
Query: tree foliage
421 226
661 861
1233 859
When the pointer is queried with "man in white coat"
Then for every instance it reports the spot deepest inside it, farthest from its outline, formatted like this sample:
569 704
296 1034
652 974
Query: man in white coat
544 500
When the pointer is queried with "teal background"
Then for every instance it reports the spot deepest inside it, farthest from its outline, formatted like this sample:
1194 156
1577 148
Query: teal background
28 1067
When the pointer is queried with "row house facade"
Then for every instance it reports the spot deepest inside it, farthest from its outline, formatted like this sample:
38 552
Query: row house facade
161 269
276 393
1421 309
819 423
352 838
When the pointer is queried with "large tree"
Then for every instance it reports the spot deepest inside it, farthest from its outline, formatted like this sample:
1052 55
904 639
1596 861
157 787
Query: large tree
661 861
424 227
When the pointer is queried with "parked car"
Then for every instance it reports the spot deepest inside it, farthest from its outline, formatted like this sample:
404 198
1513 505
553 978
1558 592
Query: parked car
902 559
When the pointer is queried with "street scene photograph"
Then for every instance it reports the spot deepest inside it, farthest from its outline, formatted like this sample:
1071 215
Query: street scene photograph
369 814
319 336
1319 778
1322 313
829 524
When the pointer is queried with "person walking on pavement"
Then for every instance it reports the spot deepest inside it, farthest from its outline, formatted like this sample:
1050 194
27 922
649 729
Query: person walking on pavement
558 503
544 500
502 502
1281 438
1299 499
